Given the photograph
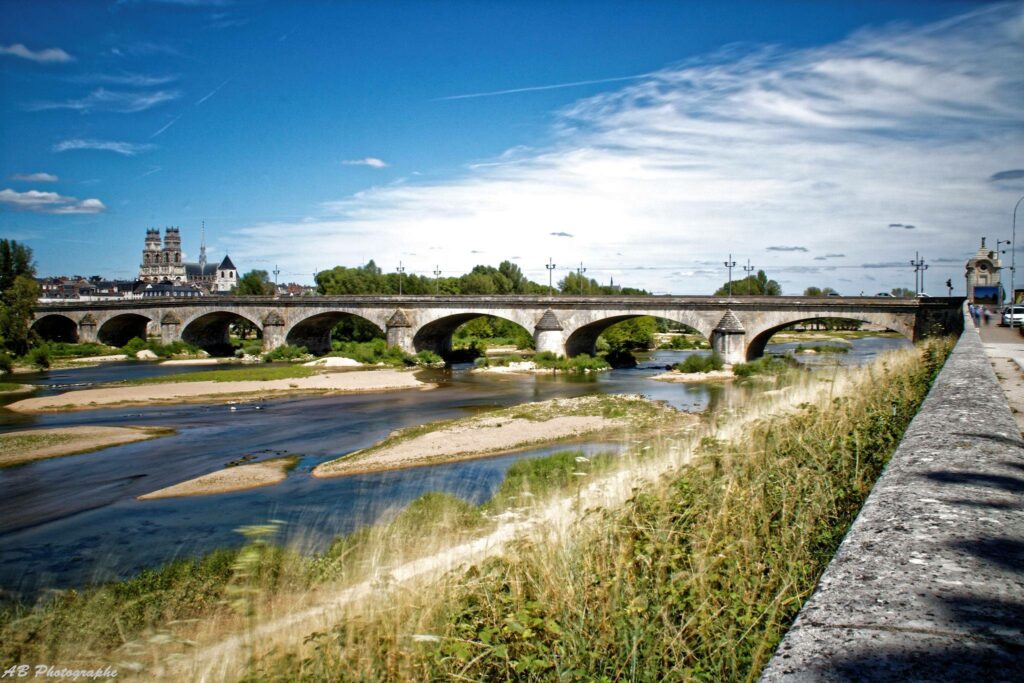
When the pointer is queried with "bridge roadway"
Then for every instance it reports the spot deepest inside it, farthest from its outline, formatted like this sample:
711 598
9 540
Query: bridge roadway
737 327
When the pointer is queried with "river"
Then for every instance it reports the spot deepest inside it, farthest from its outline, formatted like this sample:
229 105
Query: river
70 521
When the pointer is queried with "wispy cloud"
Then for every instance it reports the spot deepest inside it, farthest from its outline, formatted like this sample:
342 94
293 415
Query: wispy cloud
372 162
561 234
127 149
784 248
34 177
49 202
102 99
127 78
537 88
726 155
50 55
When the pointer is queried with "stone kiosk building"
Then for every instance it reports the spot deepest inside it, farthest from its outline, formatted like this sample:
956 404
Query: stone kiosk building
984 284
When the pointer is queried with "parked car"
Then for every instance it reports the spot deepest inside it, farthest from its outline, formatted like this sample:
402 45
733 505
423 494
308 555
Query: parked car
834 294
1014 314
886 294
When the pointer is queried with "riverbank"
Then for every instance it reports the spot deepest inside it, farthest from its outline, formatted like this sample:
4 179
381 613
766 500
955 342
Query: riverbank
238 478
501 431
18 448
695 377
213 391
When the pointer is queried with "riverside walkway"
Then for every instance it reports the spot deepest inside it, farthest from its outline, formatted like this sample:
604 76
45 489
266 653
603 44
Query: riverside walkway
928 585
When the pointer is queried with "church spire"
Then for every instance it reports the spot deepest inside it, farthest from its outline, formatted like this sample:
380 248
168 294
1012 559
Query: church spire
202 250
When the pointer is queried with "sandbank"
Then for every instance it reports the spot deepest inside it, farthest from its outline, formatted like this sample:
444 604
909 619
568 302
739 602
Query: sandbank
239 478
17 448
99 359
18 389
694 377
502 431
183 392
198 361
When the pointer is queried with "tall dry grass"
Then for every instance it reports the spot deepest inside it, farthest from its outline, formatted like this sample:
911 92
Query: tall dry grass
695 577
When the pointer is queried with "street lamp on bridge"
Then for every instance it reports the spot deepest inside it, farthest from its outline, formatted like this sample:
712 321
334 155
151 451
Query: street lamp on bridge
580 271
730 264
437 279
400 270
551 268
919 267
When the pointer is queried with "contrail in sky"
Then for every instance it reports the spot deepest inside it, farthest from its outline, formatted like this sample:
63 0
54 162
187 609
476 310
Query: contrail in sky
535 88
168 125
213 92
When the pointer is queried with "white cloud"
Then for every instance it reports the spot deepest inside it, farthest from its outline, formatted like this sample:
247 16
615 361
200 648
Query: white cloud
128 78
49 202
819 148
102 99
34 177
373 162
125 148
49 55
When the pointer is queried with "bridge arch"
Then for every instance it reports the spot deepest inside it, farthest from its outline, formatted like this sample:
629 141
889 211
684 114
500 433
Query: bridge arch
56 327
759 338
314 332
584 338
211 331
436 335
120 329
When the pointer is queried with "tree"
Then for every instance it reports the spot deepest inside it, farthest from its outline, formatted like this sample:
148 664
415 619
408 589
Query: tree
254 283
903 293
752 285
819 291
18 295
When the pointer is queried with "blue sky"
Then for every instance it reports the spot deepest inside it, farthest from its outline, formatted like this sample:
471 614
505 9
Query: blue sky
312 134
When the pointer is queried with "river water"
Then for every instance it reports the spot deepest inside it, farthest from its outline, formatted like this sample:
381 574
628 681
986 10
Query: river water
74 520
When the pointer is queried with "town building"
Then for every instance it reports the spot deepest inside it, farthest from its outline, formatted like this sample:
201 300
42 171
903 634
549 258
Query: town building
983 276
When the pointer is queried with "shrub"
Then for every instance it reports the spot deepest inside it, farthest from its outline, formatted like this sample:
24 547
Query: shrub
700 363
286 353
768 365
428 358
40 357
134 346
6 362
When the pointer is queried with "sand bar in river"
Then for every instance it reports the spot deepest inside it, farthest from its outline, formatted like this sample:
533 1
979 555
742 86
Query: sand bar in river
182 392
230 479
17 448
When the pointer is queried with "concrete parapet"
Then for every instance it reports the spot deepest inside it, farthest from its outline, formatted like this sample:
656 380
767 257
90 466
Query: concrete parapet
929 582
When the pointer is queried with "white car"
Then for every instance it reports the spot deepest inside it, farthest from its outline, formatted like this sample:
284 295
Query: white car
886 294
1012 315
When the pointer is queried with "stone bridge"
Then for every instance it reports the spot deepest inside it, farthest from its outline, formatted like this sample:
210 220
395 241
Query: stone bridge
737 327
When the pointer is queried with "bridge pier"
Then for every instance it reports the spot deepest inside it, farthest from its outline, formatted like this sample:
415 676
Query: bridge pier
728 339
547 335
399 332
87 330
273 332
170 329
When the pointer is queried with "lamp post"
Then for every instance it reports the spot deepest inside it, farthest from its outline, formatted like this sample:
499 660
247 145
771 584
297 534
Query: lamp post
1013 262
748 269
437 279
551 268
730 264
580 271
919 268
400 271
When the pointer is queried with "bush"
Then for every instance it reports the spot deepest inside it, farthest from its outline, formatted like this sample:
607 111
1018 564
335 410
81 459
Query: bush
428 358
620 358
6 362
769 365
286 353
40 357
134 346
372 353
700 363
581 363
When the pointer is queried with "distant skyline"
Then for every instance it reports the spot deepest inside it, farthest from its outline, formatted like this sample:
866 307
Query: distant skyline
826 142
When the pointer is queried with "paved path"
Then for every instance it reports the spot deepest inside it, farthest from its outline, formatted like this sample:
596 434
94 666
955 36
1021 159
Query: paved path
1005 350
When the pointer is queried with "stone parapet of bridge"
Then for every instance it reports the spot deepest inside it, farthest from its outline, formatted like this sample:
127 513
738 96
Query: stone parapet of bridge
737 327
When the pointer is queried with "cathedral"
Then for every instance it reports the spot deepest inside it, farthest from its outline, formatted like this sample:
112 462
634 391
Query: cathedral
163 263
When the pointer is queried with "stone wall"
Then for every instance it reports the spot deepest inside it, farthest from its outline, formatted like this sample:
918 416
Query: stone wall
929 582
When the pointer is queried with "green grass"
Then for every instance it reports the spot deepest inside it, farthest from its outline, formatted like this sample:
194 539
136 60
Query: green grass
766 365
262 373
577 364
61 350
371 353
9 386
